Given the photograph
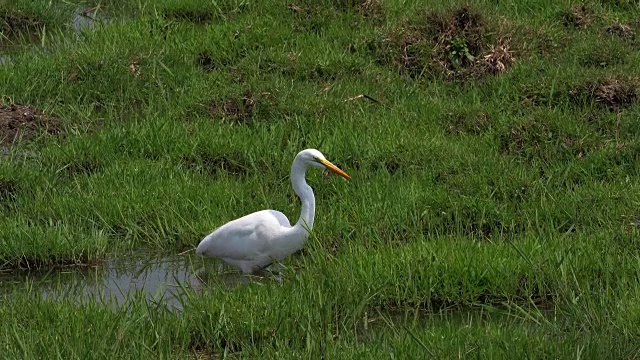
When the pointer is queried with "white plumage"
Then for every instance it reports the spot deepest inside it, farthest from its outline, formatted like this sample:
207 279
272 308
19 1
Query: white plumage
258 239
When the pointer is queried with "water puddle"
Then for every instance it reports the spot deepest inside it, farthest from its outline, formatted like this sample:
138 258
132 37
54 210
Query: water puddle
163 279
81 19
87 19
5 59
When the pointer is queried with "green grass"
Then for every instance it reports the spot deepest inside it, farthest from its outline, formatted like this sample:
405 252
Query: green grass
490 216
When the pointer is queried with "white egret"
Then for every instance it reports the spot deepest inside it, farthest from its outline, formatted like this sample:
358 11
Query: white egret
256 240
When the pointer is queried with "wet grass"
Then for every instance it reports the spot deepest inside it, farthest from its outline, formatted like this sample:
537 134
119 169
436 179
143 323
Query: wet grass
494 208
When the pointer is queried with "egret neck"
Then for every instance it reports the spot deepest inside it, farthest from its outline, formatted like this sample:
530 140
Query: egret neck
305 193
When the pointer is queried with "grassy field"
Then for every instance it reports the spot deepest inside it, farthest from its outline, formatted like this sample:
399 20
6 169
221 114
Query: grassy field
495 207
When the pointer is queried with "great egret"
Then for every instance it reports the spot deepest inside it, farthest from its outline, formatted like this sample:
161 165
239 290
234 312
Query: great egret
258 239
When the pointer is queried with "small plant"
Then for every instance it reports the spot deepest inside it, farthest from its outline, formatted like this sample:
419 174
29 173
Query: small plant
459 53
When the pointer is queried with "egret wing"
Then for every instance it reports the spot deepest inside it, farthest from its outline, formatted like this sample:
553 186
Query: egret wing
243 238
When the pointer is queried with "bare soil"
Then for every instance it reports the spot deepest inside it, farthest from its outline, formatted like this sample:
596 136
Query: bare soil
240 109
23 122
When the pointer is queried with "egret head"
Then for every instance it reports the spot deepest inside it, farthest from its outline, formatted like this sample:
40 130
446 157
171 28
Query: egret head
314 158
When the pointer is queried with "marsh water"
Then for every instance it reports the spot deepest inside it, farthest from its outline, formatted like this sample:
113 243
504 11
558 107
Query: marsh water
82 19
159 278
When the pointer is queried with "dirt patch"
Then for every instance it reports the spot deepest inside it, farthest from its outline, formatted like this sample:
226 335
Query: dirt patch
206 61
392 166
239 110
612 93
467 123
458 44
213 164
579 16
621 30
14 24
222 62
22 122
247 108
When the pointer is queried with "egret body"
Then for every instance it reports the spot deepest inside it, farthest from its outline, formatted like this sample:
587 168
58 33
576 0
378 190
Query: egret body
258 239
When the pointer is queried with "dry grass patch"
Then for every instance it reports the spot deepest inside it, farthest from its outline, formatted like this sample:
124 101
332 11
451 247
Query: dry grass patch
579 16
622 30
468 123
458 44
612 93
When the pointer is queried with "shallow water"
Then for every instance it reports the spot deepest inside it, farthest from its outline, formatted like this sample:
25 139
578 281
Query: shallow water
87 18
81 19
159 278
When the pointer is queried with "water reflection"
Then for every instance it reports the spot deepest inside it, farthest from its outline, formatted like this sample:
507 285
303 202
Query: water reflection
167 279
87 18
5 59
81 19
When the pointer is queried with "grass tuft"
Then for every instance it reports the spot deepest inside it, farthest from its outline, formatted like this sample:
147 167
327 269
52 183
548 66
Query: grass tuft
457 44
610 93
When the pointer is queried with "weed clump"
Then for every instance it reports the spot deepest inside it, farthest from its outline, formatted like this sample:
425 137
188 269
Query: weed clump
497 59
456 44
240 110
623 31
24 122
612 93
579 16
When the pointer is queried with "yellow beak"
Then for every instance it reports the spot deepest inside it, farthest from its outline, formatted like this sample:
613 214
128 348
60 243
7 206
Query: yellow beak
334 169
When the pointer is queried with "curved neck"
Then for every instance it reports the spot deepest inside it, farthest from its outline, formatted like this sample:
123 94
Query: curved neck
305 193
